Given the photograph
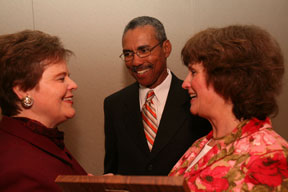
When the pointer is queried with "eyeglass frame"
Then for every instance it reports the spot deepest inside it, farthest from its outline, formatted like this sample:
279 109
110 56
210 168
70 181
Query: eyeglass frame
136 52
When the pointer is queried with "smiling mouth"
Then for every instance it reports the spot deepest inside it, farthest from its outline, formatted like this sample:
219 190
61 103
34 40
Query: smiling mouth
194 95
140 69
67 99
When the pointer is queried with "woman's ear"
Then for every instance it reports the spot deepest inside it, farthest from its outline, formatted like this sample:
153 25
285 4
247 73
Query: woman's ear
167 48
19 92
24 97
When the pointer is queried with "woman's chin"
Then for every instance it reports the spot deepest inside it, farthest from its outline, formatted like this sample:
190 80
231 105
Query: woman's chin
193 111
70 114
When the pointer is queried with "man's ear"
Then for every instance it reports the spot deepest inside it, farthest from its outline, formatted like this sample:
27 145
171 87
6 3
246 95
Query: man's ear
19 92
167 47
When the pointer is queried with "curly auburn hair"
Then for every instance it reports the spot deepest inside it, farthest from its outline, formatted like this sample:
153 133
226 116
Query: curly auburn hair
23 58
243 63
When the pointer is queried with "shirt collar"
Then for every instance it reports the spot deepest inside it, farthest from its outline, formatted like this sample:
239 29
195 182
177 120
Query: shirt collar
161 91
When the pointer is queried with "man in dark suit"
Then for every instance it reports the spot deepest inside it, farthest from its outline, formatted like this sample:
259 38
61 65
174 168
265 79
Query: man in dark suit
128 149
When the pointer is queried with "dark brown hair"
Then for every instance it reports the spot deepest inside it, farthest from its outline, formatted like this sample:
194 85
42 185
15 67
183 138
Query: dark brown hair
243 63
23 58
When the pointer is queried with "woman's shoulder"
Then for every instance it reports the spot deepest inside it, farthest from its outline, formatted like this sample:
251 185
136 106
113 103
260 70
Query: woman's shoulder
261 142
268 138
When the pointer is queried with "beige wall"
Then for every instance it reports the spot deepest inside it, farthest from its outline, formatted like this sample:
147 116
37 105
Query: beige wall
93 29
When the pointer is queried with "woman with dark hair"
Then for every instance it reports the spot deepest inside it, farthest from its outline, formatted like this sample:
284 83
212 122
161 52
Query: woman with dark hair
35 96
235 74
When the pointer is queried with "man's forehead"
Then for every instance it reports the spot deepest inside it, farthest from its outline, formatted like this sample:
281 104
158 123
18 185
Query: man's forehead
139 37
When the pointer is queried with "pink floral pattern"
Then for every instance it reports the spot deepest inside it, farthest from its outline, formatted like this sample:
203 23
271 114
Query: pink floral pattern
252 158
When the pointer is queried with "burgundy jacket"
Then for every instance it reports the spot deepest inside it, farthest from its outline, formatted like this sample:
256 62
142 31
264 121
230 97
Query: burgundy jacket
31 162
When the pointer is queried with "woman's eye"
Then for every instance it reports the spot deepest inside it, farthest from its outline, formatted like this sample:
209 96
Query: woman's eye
193 72
61 79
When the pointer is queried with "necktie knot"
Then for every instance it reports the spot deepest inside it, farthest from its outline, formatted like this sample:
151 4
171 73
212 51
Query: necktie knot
150 95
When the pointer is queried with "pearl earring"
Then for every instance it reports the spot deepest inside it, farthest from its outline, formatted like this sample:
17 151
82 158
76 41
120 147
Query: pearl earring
27 102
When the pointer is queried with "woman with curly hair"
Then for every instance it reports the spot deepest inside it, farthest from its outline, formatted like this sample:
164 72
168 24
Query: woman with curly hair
235 74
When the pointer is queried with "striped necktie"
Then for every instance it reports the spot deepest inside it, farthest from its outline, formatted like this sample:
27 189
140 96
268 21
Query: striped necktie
149 119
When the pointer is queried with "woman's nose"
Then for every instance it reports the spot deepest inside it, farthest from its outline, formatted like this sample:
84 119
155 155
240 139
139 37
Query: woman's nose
186 82
72 84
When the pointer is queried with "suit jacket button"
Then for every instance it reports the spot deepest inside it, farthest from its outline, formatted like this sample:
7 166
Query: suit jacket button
150 167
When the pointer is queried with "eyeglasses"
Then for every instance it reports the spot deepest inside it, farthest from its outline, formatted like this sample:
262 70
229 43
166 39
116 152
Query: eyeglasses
141 52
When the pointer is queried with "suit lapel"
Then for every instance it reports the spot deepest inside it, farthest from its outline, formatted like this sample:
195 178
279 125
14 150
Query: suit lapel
133 121
173 115
14 127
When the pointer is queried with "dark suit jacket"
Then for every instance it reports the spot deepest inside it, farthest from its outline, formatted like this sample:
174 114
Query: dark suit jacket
29 161
126 149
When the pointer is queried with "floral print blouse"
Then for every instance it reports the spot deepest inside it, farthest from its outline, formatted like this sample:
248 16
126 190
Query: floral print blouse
252 158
